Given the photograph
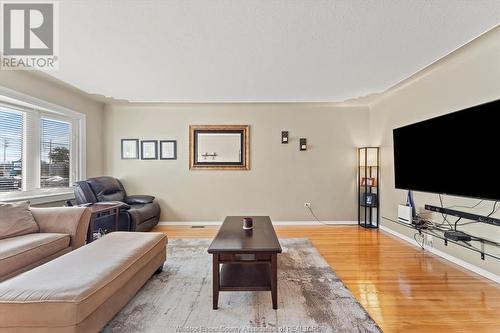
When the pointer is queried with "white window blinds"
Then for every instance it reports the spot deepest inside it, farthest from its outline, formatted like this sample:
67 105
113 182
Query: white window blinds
11 149
55 153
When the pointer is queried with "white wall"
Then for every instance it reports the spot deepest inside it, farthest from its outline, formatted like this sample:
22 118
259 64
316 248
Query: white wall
468 77
281 177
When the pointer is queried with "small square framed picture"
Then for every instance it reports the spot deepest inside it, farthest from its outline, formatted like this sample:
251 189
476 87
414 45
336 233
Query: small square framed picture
130 149
168 150
149 150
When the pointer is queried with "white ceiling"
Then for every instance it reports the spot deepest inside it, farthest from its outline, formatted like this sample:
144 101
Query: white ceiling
258 50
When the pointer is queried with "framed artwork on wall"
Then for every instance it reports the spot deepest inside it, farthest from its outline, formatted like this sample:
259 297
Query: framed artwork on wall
149 150
168 150
130 149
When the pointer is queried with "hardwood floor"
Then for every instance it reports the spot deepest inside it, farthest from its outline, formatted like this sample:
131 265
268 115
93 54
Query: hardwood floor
403 288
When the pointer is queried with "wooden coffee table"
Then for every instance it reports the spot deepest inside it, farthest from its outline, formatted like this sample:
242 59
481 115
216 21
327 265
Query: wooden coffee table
245 260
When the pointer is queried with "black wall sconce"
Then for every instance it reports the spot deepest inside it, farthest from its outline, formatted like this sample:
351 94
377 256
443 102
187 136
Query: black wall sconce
284 137
303 144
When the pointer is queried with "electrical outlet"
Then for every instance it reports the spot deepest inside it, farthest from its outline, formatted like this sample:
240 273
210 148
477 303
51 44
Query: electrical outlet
307 205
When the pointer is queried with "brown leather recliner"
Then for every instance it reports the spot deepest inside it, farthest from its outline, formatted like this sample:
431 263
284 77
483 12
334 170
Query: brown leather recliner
139 212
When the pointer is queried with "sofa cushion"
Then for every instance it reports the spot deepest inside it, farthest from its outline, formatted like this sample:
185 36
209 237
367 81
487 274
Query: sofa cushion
67 290
16 219
20 251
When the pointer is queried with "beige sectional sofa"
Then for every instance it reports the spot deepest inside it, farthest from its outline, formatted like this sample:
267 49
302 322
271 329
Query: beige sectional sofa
82 290
48 287
56 231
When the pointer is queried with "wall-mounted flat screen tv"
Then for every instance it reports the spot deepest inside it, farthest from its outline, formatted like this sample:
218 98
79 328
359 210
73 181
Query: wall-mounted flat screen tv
455 154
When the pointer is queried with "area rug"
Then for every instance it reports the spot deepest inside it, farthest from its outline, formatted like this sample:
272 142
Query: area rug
311 297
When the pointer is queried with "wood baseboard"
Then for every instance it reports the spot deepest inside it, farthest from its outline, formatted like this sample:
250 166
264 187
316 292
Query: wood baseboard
291 223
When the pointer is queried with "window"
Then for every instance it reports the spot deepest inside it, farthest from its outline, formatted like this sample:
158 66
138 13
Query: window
55 151
11 145
42 147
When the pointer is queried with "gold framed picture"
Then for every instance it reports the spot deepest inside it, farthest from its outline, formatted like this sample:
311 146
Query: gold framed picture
219 147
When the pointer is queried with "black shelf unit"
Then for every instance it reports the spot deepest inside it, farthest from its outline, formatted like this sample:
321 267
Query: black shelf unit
479 244
368 187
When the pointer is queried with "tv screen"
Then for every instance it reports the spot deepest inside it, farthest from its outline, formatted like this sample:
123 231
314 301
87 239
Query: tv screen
455 154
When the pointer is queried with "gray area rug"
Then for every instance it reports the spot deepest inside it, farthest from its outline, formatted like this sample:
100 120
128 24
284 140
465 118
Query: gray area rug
311 297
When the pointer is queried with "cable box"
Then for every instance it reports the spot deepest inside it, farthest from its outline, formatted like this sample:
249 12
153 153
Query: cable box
457 236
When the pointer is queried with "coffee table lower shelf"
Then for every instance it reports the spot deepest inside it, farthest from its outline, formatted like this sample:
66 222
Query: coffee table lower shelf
245 277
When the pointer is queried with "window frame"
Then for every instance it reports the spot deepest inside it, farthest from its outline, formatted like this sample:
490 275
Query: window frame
34 110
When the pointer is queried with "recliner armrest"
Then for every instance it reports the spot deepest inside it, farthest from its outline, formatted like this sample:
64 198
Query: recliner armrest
139 199
123 205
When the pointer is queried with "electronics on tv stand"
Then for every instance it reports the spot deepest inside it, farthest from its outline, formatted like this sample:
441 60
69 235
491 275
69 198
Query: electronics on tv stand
464 215
457 236
405 214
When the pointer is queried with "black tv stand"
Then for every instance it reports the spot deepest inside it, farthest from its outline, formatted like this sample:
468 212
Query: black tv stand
464 215
484 247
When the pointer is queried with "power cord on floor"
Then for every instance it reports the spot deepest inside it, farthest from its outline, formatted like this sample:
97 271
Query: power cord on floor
316 218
